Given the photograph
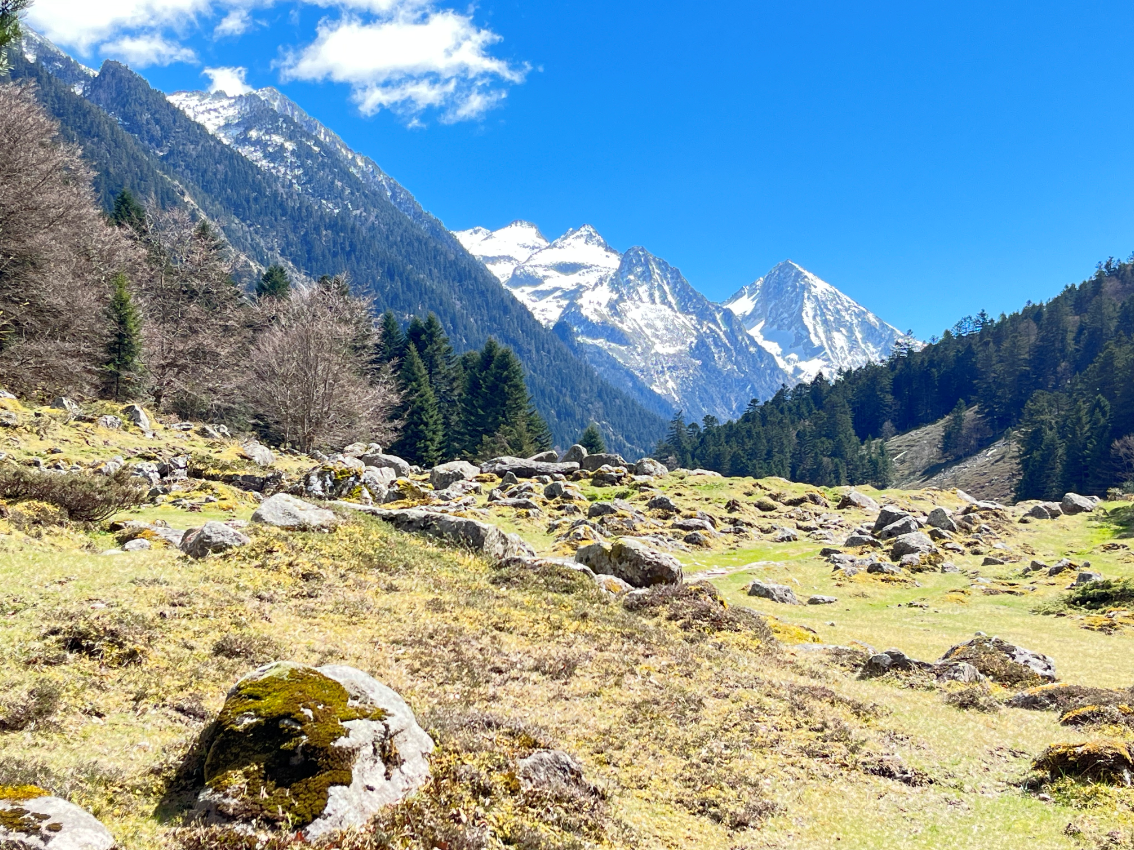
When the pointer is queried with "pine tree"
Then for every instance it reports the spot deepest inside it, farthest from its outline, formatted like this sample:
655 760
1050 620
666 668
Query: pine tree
592 440
953 437
274 283
123 367
128 212
422 433
9 28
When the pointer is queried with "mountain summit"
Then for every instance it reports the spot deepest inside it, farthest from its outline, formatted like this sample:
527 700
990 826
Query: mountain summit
808 325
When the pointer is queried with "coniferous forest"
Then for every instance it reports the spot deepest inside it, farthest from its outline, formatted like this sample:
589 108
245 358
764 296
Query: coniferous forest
1058 376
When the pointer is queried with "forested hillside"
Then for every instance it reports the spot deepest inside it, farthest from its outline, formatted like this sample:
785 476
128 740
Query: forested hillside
136 139
1060 375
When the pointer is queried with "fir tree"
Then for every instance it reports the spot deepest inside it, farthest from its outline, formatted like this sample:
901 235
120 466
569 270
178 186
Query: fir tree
592 440
391 341
127 212
422 432
123 367
9 28
274 283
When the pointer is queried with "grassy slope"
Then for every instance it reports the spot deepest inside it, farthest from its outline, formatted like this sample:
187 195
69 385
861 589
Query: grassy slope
700 737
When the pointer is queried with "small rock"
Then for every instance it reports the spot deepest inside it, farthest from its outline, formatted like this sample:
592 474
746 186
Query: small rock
942 519
632 561
905 525
138 544
402 468
914 543
855 499
137 416
258 453
1087 577
990 561
879 568
662 503
601 509
822 600
780 593
110 423
785 535
555 772
211 538
546 457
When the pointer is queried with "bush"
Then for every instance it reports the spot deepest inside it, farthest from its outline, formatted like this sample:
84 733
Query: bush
84 498
27 710
1097 595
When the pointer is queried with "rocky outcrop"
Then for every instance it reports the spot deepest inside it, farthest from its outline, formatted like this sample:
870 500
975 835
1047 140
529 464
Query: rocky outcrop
288 512
318 749
32 819
523 468
632 561
211 538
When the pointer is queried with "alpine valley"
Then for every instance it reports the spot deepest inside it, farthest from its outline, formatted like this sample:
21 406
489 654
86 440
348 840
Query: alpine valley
285 188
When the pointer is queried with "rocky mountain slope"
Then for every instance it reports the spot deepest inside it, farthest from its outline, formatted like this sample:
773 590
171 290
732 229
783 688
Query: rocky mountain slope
639 319
736 703
285 189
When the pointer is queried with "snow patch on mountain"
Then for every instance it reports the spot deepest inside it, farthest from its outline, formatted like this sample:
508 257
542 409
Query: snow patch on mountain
809 326
504 249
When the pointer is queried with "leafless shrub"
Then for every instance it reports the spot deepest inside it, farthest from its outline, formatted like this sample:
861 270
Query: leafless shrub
1123 451
309 377
258 649
57 256
83 498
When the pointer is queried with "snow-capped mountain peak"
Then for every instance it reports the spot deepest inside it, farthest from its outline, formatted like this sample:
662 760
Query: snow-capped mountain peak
504 249
808 325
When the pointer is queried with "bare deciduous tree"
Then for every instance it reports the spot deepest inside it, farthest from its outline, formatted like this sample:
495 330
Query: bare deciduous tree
309 377
57 256
197 322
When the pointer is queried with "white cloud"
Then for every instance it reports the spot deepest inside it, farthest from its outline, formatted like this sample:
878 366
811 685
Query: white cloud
82 24
409 56
235 23
227 80
148 49
412 60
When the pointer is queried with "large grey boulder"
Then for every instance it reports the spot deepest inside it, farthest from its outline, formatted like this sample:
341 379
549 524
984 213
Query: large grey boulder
71 407
33 821
211 538
288 512
592 463
480 537
663 503
1073 504
780 593
914 543
318 749
632 561
440 477
523 468
575 454
905 525
888 515
943 519
401 468
855 499
377 481
649 466
258 453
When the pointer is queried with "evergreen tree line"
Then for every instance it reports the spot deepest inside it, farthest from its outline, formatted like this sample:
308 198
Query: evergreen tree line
474 406
1059 376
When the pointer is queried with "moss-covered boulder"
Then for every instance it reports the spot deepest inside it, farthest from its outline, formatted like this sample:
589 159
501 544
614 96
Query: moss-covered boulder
32 819
317 749
1003 662
1092 761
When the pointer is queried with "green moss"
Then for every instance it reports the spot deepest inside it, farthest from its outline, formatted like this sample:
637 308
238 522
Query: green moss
19 793
274 745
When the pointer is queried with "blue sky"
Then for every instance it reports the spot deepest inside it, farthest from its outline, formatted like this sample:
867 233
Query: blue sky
929 159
